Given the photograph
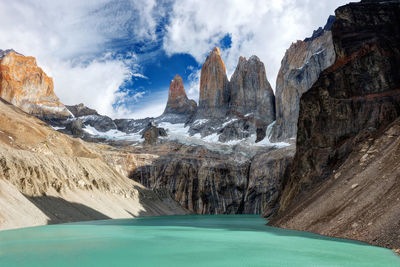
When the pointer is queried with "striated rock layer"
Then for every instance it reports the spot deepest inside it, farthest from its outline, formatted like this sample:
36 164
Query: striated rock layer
210 182
26 86
300 68
47 177
350 106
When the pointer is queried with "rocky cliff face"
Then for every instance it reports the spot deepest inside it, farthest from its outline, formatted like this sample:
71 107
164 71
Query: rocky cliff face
352 102
250 91
214 87
300 68
26 86
178 105
210 182
237 109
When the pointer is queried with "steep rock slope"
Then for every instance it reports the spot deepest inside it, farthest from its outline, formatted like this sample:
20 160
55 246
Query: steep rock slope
352 103
300 68
25 85
48 177
360 199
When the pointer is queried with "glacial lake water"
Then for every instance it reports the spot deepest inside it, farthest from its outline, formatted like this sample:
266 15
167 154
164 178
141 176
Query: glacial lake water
237 240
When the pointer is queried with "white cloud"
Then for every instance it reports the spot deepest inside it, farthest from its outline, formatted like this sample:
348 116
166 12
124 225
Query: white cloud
149 110
151 105
192 87
139 75
265 28
70 40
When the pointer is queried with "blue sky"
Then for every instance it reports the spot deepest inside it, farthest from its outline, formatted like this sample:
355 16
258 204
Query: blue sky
119 56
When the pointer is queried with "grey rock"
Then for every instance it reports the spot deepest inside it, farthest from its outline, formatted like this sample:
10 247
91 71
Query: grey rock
300 68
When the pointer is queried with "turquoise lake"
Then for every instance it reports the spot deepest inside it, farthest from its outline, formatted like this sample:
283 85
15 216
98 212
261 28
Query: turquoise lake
223 240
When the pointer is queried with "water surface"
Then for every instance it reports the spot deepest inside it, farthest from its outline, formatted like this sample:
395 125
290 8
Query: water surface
226 240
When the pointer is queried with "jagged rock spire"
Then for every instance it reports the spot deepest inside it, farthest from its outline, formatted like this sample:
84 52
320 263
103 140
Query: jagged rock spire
178 102
214 86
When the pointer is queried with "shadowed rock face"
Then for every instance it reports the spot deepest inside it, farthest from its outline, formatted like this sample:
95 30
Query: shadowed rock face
214 87
209 182
251 91
300 68
352 101
26 86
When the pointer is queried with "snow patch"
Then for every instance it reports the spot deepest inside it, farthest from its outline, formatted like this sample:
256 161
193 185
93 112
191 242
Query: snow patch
199 122
266 141
57 128
228 122
114 134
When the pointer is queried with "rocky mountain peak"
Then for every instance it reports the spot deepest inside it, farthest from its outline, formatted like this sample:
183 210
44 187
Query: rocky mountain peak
178 102
251 92
176 87
216 51
214 86
5 52
27 86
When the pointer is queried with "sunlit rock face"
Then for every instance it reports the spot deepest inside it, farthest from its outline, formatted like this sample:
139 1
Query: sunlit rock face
214 87
300 68
251 92
25 85
179 107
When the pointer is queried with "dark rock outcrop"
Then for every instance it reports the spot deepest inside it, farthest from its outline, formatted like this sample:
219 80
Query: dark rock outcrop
131 125
151 133
352 102
300 68
251 92
75 127
178 105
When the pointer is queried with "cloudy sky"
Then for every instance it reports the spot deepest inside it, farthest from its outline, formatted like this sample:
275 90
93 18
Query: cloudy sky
119 56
